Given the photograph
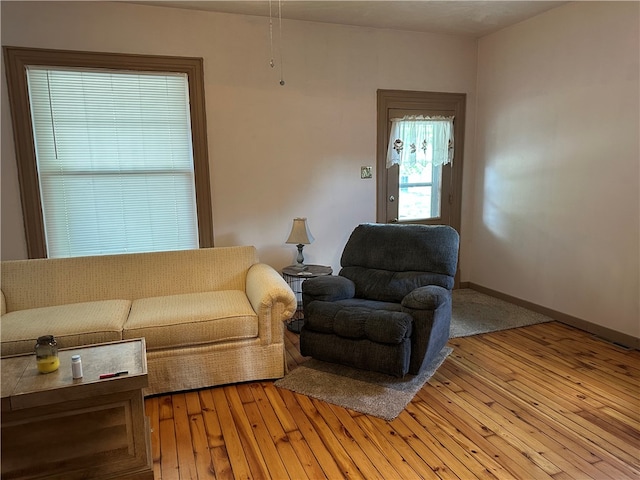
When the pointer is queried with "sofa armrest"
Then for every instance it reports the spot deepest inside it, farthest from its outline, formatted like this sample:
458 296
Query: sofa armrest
327 289
429 297
272 299
4 303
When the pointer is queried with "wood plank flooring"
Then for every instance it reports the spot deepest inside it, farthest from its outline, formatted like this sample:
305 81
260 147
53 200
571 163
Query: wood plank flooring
540 402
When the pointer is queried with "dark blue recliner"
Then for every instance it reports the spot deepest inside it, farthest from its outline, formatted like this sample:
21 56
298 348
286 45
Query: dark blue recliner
389 309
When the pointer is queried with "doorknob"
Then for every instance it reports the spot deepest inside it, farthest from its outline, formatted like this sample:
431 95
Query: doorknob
392 198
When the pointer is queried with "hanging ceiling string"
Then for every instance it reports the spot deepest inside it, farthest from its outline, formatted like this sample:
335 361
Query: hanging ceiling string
271 35
271 62
280 46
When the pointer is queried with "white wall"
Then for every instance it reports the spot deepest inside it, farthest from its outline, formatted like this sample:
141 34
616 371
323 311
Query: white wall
557 209
275 152
550 196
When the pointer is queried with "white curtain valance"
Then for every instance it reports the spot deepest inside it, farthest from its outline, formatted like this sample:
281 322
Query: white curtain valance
433 136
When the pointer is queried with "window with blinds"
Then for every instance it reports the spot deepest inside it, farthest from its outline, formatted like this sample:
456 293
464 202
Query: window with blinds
115 160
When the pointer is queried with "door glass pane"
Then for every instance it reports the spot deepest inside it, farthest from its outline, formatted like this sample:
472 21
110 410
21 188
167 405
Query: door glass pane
419 191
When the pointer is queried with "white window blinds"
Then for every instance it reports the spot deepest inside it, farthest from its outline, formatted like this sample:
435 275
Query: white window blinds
114 159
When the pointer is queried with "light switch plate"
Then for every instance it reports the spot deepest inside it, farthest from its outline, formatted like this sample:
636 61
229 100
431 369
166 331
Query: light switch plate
366 172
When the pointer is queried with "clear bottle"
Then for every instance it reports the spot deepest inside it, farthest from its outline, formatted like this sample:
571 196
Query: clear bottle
76 366
47 354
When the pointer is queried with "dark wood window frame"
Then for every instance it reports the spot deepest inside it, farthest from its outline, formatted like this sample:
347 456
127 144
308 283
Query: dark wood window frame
18 58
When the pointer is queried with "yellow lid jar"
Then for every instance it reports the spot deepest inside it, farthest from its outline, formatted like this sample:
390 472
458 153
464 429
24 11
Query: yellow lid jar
47 354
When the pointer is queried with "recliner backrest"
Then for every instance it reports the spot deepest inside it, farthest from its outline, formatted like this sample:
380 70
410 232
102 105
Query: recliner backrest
387 261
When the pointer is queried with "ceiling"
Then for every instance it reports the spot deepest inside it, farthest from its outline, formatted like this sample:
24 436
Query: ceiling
475 18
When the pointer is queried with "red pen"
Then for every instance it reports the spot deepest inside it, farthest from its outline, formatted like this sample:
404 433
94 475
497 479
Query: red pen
111 375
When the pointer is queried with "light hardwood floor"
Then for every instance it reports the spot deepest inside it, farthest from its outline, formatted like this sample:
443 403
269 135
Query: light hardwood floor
540 402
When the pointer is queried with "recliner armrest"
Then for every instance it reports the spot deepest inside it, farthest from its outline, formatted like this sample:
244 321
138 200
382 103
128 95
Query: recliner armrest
327 288
429 297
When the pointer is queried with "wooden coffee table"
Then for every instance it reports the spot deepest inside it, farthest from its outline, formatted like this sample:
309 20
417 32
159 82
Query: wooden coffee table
56 427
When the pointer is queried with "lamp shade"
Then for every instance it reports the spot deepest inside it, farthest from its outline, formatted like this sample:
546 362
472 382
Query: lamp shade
300 234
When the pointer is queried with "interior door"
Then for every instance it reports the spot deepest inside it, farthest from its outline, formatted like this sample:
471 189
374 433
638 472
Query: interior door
428 195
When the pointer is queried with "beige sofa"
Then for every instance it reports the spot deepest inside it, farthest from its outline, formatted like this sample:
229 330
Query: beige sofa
209 316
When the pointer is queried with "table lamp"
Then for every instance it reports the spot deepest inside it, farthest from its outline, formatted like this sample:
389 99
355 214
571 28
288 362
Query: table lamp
300 236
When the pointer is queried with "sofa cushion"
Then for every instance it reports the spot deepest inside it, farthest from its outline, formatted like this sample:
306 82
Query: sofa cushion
36 283
72 325
380 326
191 319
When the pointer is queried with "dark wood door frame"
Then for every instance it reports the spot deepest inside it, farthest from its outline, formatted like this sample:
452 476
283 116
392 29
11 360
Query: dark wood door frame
441 102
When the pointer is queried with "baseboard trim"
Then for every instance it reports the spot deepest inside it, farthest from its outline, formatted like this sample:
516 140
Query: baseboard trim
617 338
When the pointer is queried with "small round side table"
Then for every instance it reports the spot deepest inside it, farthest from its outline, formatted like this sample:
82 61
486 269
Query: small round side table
295 277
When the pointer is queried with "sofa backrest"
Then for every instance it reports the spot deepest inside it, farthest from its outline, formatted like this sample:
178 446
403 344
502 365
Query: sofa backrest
387 261
58 281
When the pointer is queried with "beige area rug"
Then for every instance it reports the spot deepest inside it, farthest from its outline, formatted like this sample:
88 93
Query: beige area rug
372 393
384 396
475 313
